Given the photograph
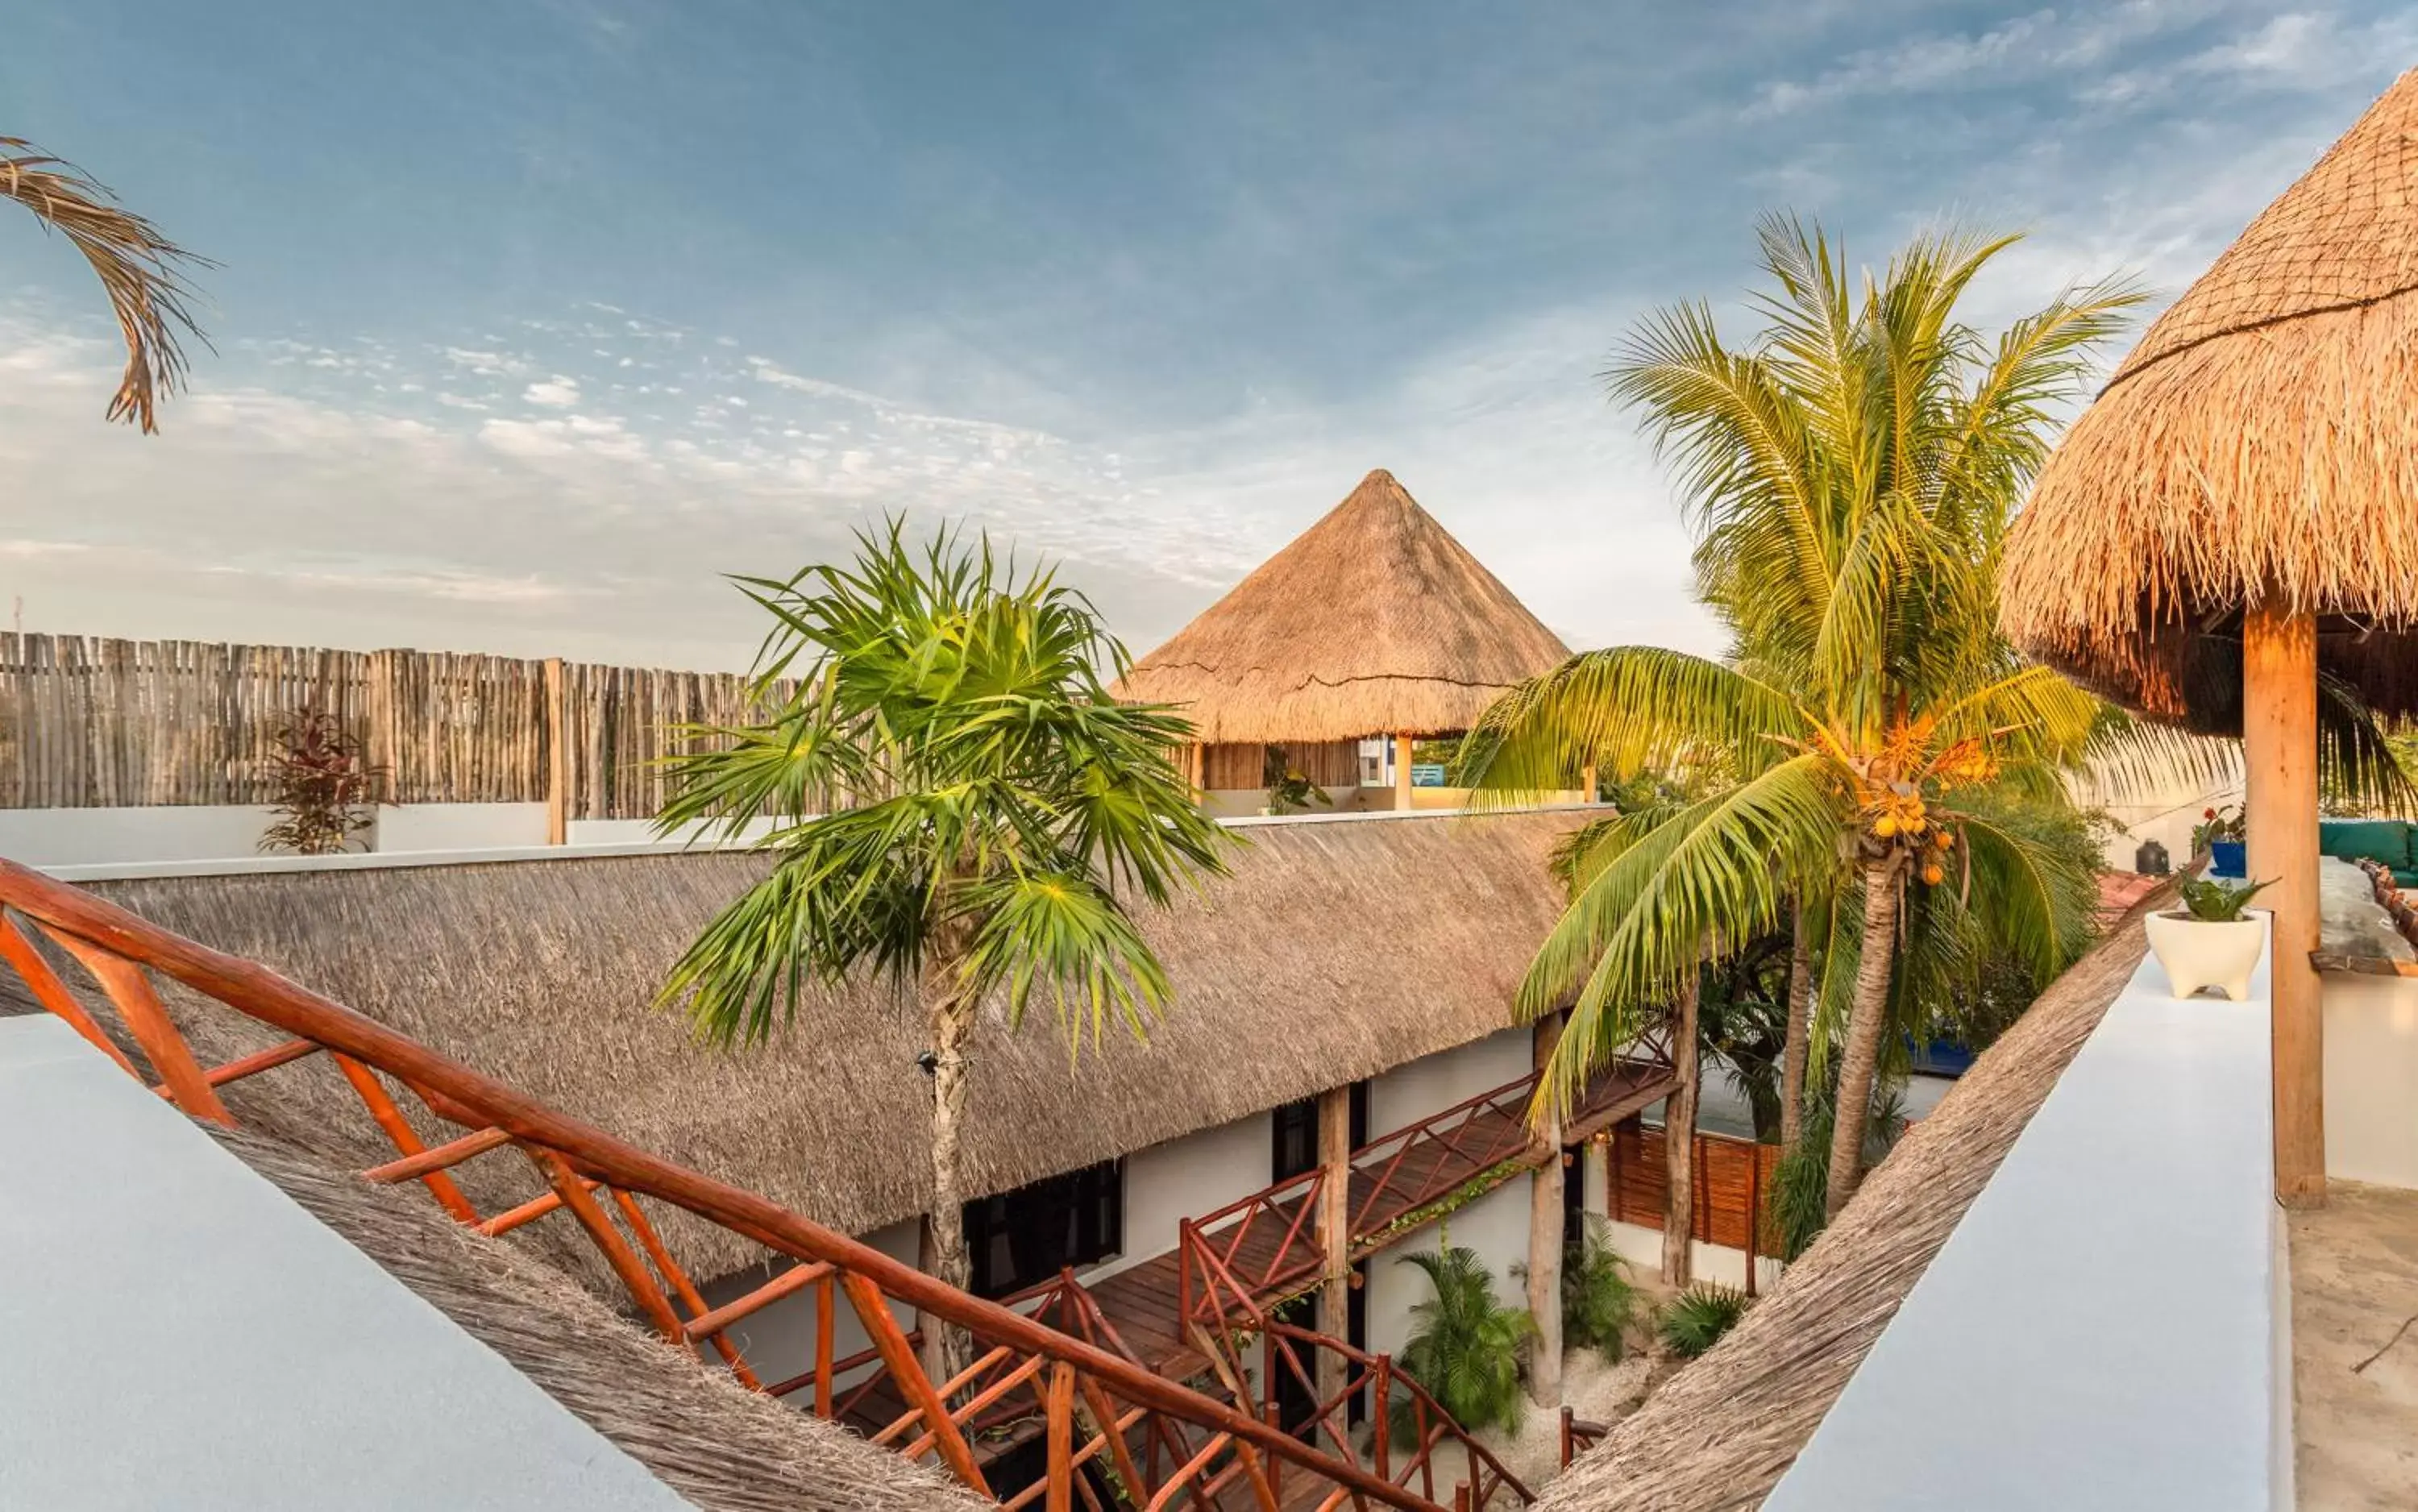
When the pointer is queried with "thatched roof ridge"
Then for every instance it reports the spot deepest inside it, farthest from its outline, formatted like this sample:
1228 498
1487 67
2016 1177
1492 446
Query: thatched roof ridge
1722 1432
1373 622
2263 437
1339 948
715 1442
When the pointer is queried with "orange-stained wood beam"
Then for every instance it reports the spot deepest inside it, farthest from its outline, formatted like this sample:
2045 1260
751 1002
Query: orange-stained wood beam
1058 1413
825 1321
1112 1428
528 1211
260 1061
682 1285
52 994
796 1278
618 1253
146 1018
873 1312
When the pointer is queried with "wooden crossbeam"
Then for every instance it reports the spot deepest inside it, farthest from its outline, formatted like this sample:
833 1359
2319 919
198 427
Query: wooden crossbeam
52 994
146 1018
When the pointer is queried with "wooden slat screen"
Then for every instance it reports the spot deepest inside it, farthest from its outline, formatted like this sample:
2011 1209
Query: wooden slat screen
1731 1176
86 723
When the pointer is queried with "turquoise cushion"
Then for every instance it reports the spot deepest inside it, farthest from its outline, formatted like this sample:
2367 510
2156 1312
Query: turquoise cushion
2384 840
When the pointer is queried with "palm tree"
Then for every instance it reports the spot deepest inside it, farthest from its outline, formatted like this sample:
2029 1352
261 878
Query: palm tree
992 814
138 266
1850 476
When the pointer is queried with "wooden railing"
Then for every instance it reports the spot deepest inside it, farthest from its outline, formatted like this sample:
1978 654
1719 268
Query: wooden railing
1578 1436
1433 1432
1456 1145
1089 1394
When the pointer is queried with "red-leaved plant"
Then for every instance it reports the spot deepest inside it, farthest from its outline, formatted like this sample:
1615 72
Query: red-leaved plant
324 789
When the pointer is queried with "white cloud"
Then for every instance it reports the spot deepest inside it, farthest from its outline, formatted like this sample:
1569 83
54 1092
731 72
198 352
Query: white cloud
556 393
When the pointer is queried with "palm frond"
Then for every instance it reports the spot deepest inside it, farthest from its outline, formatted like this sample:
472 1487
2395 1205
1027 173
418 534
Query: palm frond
140 269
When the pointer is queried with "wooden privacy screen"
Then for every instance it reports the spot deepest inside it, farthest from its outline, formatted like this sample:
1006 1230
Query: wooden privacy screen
91 722
1234 766
1731 1176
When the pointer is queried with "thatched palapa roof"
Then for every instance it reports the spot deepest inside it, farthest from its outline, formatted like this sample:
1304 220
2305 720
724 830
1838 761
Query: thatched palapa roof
1339 948
2263 437
1720 1433
1373 622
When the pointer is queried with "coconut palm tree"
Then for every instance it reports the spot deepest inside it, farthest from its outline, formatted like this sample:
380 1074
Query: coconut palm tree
139 267
992 814
1850 476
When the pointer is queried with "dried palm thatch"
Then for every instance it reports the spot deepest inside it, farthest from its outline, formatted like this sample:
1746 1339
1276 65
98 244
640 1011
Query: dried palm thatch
1720 1433
715 1442
1334 952
1373 622
138 266
2262 438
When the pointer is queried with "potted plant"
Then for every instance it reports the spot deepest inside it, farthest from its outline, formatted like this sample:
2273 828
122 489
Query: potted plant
2219 834
2208 943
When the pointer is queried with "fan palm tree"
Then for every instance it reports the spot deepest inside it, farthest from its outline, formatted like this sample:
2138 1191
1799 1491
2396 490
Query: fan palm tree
138 266
1850 477
992 815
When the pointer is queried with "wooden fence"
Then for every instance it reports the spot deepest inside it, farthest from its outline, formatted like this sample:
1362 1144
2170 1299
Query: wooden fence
1731 1178
91 722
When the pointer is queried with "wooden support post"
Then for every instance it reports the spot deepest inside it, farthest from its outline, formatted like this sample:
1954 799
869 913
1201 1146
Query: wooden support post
1402 745
558 758
2279 749
1587 782
1545 1237
1334 1234
1058 1410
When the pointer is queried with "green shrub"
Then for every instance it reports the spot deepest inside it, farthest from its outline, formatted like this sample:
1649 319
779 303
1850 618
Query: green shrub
1698 1317
1797 1206
1464 1345
1599 1303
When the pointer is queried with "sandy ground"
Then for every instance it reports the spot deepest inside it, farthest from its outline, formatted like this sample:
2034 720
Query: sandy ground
1597 1391
2355 1350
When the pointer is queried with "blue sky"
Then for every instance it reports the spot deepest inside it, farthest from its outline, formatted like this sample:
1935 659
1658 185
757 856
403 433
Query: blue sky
535 316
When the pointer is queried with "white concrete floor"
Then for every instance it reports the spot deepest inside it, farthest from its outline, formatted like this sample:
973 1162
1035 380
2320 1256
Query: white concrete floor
2355 1350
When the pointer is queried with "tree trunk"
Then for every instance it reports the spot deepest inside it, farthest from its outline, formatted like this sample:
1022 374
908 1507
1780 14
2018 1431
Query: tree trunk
942 1252
1545 1240
1867 1016
1796 1042
1679 1140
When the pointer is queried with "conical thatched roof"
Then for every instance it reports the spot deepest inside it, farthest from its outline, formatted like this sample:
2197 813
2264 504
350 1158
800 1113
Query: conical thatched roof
1373 622
2263 437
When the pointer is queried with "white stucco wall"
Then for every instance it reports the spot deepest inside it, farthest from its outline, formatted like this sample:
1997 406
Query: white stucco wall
1642 1248
1410 1093
2371 1067
1188 1178
97 836
1495 1226
459 826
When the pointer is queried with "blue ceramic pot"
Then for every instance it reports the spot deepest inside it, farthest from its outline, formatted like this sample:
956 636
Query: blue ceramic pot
2226 857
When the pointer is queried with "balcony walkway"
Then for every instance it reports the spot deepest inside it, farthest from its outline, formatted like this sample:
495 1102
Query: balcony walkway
1394 1177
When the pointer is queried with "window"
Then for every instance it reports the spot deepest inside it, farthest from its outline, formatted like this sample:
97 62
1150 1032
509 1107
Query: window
1296 1134
1028 1235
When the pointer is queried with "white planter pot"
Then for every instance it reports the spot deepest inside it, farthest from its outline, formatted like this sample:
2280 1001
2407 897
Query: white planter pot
2197 953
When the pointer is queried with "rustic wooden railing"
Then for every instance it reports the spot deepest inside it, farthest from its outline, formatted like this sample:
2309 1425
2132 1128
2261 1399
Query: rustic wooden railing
1089 1394
1578 1436
1434 1434
1406 1169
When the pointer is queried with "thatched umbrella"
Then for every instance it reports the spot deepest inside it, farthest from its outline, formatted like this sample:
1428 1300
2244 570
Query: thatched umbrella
1373 622
2239 511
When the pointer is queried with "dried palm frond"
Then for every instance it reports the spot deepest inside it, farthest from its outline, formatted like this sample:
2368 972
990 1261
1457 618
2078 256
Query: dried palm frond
136 262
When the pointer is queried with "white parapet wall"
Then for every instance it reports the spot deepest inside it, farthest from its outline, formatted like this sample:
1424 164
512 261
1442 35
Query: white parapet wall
2108 1325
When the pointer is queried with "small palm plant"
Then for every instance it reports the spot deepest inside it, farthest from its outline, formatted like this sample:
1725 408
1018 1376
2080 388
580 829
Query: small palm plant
1698 1317
1599 1303
994 814
1465 1346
